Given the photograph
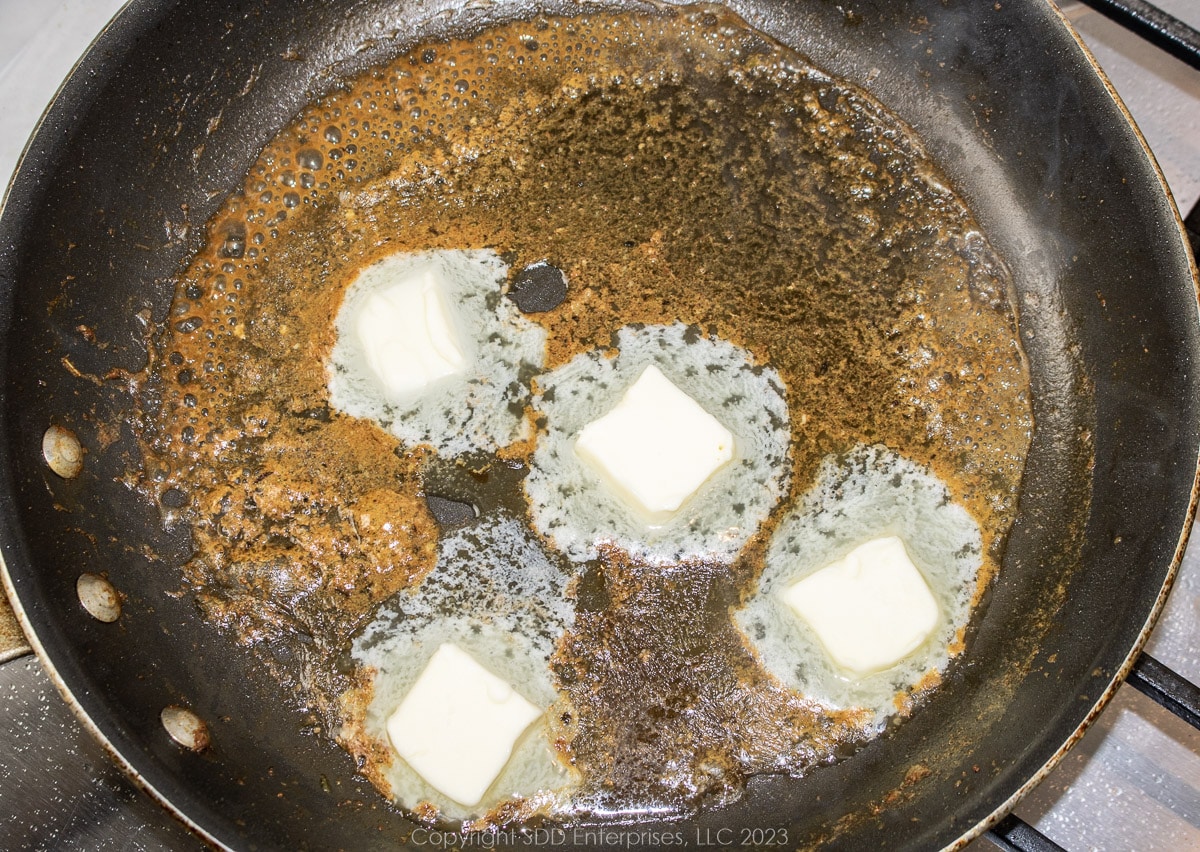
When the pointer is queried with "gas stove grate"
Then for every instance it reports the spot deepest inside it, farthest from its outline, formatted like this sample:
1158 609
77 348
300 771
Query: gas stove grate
1167 688
1150 677
1155 26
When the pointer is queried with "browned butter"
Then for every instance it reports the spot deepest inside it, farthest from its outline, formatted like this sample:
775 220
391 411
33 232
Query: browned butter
677 167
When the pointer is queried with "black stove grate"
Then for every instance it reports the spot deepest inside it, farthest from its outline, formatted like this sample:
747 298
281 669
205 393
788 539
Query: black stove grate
1155 26
1013 834
1165 686
1150 677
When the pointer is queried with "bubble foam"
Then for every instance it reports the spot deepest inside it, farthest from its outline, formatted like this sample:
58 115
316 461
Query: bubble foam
500 597
482 408
576 510
868 493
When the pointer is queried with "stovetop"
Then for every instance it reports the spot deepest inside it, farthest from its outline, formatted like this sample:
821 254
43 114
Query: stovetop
1133 781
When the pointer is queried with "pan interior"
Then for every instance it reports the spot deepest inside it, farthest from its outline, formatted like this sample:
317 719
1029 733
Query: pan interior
1108 320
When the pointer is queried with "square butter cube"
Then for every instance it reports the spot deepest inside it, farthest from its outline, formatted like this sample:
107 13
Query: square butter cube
406 332
870 610
656 447
458 725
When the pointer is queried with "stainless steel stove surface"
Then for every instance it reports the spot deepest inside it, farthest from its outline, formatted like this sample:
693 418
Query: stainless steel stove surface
1132 783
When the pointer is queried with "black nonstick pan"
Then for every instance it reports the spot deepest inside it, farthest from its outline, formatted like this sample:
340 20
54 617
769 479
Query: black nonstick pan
171 106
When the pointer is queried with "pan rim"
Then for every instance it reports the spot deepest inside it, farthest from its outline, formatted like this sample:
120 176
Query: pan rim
81 714
121 18
1107 694
1122 671
102 35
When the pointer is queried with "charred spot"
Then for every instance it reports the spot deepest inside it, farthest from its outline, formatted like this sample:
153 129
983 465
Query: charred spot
450 514
538 288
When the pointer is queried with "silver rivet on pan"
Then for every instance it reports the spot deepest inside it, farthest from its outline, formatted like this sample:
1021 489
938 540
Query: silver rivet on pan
185 727
98 597
62 452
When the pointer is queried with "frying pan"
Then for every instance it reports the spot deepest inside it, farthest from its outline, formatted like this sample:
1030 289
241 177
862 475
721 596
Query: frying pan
169 109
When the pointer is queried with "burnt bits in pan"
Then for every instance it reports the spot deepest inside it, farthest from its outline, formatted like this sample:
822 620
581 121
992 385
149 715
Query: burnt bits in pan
450 514
538 288
677 168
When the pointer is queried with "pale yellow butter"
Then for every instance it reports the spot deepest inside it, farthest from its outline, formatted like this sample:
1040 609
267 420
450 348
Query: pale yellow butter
458 725
870 609
655 448
407 332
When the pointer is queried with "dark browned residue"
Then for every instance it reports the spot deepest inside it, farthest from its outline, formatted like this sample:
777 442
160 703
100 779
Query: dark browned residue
676 168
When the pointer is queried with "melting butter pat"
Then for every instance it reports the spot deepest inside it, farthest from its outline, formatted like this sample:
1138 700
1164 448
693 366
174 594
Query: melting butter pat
406 332
870 609
458 725
656 447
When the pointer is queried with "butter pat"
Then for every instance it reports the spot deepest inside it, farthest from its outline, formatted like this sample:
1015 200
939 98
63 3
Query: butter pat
656 447
870 610
458 725
407 334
